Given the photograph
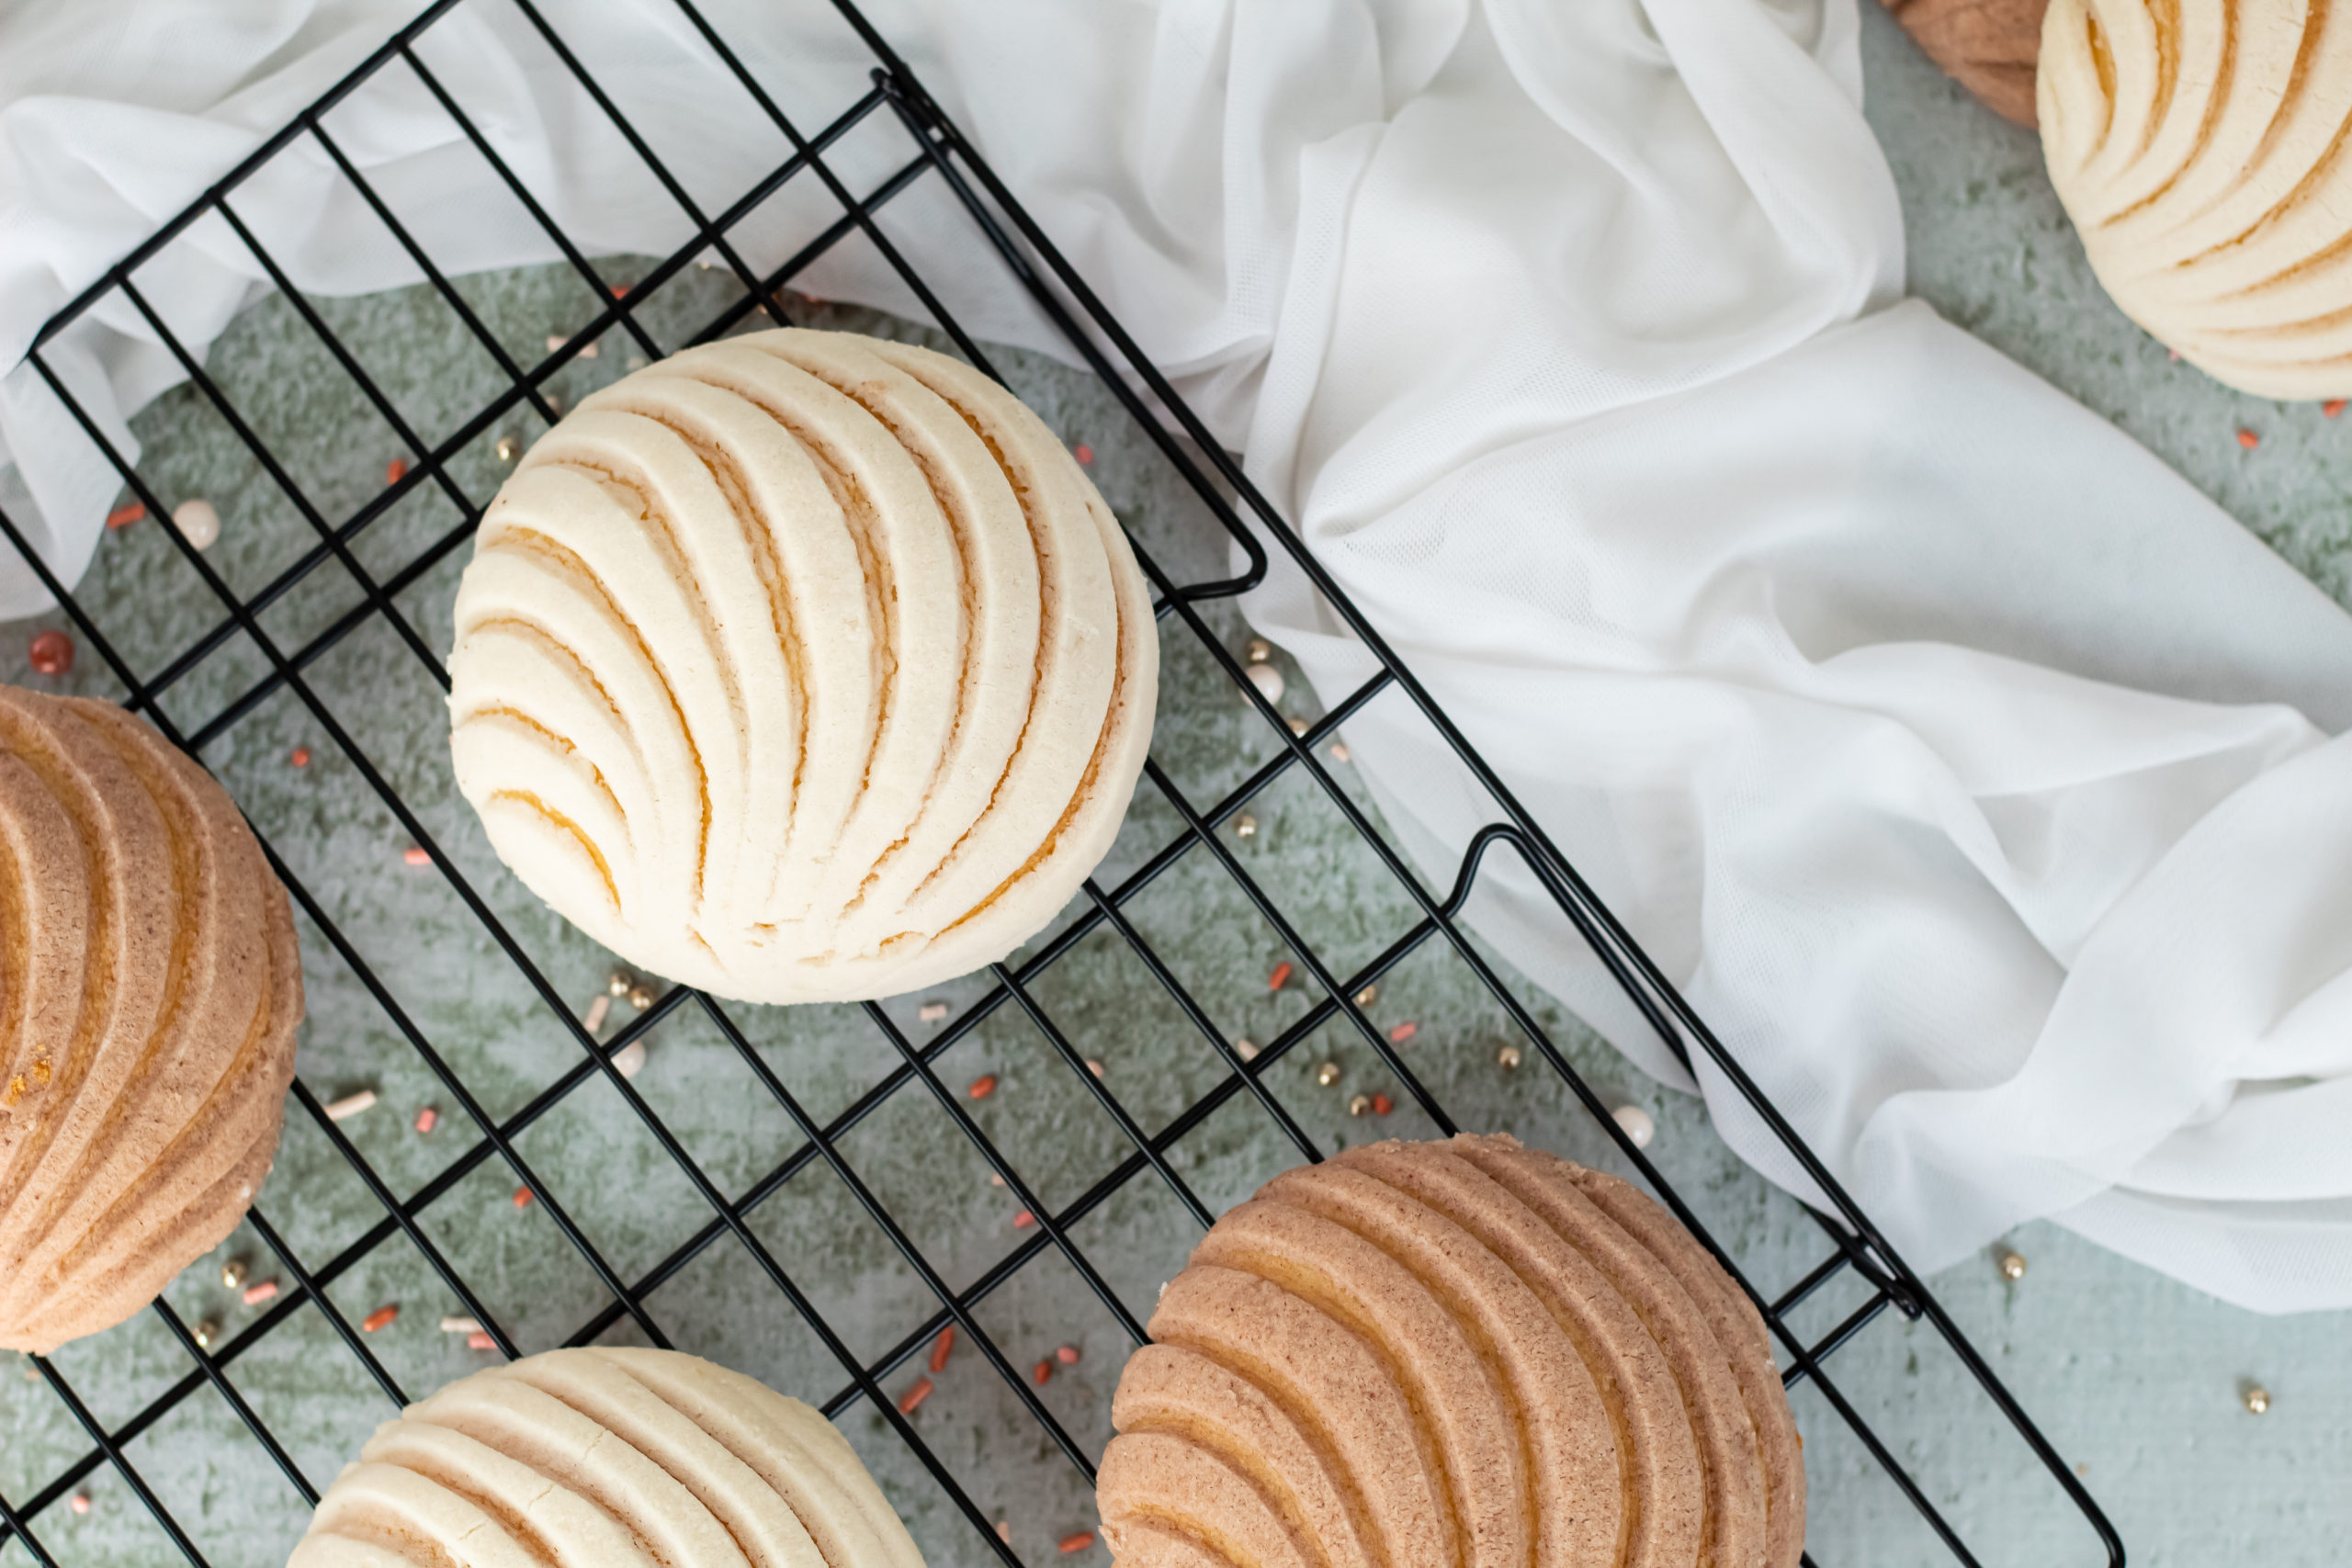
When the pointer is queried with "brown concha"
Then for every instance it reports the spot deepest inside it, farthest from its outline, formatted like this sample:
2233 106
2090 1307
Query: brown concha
150 986
1464 1352
1987 46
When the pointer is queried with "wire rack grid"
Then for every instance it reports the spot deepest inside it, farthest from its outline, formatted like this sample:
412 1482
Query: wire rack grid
936 149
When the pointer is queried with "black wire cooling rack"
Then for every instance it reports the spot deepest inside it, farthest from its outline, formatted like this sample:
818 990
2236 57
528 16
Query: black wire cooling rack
935 149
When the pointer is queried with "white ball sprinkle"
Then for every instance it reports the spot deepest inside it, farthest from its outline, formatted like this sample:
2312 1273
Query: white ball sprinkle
1267 678
1638 1124
198 522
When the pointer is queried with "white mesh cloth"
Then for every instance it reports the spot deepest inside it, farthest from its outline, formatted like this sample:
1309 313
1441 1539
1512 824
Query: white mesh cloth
1969 769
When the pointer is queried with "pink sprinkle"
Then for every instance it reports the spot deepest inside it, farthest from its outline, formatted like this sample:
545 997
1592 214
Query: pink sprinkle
256 1294
1275 981
1024 1220
1041 1372
427 1119
51 652
481 1341
1084 454
414 854
1402 1032
1067 1355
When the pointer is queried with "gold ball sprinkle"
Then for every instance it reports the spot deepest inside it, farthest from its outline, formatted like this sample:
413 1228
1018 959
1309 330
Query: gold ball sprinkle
640 995
206 1333
619 982
508 448
1244 826
233 1273
1327 1074
2012 1264
2257 1398
1359 1105
1259 650
1368 995
1508 1058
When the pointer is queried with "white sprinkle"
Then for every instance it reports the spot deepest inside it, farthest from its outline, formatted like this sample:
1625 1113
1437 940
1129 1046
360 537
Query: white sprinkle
1267 678
636 362
1093 1067
351 1105
1339 750
555 341
590 350
932 1013
460 1325
629 1060
596 1011
1638 1124
996 1179
198 522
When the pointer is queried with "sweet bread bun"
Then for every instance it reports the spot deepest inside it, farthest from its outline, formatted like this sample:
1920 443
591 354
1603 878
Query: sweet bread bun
150 986
623 1458
2197 149
1461 1353
802 667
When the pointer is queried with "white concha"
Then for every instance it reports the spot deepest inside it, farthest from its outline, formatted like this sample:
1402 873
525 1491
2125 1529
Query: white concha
621 1457
802 667
2197 147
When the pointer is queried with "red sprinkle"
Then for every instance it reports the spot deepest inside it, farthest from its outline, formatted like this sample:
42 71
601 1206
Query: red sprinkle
427 1119
414 854
2248 439
481 1341
915 1395
124 516
1381 1105
52 652
1041 1372
1083 453
1078 1542
1067 1355
1024 1220
2333 407
256 1294
299 756
1275 981
942 1347
983 1085
1402 1032
522 1196
396 470
379 1318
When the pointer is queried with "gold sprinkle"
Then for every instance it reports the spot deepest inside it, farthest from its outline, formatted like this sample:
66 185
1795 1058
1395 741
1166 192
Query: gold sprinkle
1297 725
233 1273
640 995
508 448
618 984
2012 1264
1327 1074
1244 826
1508 1058
1359 1105
1259 650
2257 1399
206 1333
1340 751
1368 995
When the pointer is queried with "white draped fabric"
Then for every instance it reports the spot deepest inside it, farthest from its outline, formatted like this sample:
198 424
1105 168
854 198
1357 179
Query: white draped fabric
1971 772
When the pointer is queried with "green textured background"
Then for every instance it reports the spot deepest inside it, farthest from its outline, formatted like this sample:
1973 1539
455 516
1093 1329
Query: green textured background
2136 1379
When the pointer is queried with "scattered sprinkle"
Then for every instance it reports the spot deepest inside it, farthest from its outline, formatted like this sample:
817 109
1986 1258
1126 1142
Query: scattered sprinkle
1368 995
379 1318
2248 439
1508 1058
461 1325
619 982
124 515
640 995
1067 1355
233 1273
555 341
479 1341
637 361
508 448
1282 973
522 1196
932 1013
2256 1399
80 1503
1359 1104
995 1179
1244 826
1258 650
1381 1105
396 470
590 350
1403 1032
2333 407
1246 1049
2173 355
256 1294
299 756
1076 1543
351 1105
1339 750
1327 1074
983 1085
629 1060
414 855
915 1395
1297 725
618 288
205 1333
1024 1220
942 1347
593 1018
198 522
1004 1531
1083 453
52 652
1094 1066
428 1118
1041 1374
1638 1125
